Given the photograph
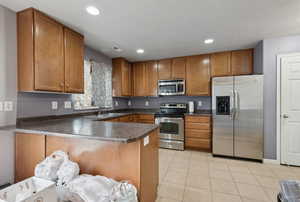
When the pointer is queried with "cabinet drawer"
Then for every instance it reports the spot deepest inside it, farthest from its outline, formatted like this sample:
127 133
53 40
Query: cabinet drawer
125 119
193 133
196 143
145 116
199 126
198 119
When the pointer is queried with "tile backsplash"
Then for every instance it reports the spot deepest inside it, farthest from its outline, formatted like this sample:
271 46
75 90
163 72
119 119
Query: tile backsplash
154 102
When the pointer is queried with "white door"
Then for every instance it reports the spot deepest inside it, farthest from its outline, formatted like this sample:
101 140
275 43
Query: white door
290 110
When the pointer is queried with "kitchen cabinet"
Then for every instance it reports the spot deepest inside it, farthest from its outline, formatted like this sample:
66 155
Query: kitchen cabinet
144 118
198 75
145 78
74 57
242 62
164 69
178 68
139 79
221 64
171 68
198 132
121 78
46 51
151 78
30 150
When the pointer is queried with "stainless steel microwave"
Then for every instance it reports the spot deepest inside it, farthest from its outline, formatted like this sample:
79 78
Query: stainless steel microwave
171 87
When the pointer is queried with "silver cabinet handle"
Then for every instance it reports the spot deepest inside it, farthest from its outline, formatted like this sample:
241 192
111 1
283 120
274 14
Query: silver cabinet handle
285 116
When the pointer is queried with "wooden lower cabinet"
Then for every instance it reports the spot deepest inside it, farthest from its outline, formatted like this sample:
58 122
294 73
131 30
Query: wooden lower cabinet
30 150
135 118
198 132
133 162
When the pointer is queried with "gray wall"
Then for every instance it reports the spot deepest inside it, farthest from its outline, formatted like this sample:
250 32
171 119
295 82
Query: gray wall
271 48
39 104
8 91
258 58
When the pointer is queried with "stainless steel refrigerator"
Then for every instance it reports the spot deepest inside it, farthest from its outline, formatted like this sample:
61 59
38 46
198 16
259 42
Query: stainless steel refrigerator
237 105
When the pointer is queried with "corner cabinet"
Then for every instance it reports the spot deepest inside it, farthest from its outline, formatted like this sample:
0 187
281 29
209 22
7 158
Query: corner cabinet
121 78
198 75
242 62
50 56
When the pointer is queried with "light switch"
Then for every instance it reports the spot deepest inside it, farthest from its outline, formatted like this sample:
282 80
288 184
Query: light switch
54 105
116 103
147 103
8 106
129 103
68 104
1 106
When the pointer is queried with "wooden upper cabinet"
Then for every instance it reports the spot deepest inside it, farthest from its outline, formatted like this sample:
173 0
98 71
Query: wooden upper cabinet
178 68
242 62
74 62
164 69
49 54
152 78
198 75
221 64
44 48
139 78
121 78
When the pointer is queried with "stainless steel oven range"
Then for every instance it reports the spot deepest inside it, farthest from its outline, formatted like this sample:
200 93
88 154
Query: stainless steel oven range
171 121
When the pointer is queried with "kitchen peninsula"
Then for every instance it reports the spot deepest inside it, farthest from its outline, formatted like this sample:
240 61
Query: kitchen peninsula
122 151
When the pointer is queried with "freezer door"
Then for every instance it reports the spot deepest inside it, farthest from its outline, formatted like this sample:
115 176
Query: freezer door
222 93
248 123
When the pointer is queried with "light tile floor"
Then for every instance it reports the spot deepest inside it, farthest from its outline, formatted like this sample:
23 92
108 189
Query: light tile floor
192 176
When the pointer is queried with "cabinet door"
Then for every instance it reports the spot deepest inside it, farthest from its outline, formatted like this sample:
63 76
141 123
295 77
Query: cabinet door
152 78
49 54
221 64
126 79
178 68
74 62
198 75
30 150
139 74
242 62
164 69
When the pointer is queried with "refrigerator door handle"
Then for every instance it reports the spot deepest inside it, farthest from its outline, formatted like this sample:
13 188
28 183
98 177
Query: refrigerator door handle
232 105
237 104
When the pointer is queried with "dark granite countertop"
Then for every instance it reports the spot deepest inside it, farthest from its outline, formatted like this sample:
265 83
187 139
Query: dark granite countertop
200 113
87 127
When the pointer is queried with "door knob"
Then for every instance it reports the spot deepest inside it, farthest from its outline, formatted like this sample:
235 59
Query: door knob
285 116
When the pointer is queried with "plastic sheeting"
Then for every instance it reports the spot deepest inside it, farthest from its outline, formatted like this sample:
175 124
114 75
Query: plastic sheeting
73 187
48 168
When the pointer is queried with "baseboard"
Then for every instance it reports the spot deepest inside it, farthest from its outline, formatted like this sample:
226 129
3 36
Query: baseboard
271 161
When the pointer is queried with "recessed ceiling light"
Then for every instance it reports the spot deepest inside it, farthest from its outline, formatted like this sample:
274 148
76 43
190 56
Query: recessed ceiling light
208 41
92 10
140 51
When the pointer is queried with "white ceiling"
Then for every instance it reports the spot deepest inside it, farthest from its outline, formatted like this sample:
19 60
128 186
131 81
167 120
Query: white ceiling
169 28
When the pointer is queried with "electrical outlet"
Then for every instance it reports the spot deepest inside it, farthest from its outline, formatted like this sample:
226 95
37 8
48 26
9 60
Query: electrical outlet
147 103
68 104
8 106
1 106
116 103
199 103
129 103
54 105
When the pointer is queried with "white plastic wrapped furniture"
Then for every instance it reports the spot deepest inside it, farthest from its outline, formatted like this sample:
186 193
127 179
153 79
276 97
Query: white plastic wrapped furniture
30 190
